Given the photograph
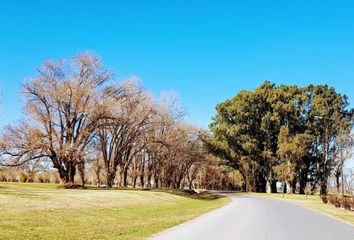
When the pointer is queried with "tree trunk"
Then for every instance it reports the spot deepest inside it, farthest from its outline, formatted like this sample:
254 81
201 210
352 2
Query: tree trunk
156 182
274 186
323 190
338 181
268 187
98 178
261 183
179 182
303 179
148 181
142 175
81 168
244 187
251 187
191 184
324 178
67 175
142 180
134 181
125 177
288 187
293 186
109 180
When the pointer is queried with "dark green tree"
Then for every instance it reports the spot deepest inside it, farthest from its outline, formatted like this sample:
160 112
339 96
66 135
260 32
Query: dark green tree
246 132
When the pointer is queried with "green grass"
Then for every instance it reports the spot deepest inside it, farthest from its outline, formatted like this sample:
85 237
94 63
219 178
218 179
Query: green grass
314 203
44 211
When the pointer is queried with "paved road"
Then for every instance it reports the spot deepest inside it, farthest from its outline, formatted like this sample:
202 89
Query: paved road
257 218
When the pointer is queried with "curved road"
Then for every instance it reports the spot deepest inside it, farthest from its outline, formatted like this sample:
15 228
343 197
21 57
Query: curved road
258 218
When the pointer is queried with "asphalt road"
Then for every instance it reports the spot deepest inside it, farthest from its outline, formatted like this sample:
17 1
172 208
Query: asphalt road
258 218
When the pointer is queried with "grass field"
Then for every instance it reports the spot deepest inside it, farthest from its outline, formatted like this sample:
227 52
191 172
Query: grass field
314 203
44 211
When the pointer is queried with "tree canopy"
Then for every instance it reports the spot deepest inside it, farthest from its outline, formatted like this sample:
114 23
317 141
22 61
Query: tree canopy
285 133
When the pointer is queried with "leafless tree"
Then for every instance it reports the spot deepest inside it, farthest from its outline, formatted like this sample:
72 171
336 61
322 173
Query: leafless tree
90 128
121 135
344 151
63 109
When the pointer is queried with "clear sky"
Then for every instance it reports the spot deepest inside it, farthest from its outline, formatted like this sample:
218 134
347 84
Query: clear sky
206 50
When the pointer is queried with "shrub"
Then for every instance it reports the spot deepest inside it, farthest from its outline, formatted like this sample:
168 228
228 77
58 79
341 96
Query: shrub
2 178
334 201
345 202
324 199
41 179
31 176
23 177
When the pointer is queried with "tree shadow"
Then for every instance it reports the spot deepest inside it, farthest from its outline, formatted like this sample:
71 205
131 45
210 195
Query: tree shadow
188 193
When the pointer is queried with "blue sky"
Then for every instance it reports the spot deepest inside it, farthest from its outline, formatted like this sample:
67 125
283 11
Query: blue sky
206 50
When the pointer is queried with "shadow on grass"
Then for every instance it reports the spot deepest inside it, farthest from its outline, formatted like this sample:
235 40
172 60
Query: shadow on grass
204 195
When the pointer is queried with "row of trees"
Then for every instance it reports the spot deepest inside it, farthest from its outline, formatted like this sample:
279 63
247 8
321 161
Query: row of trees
77 118
296 135
82 122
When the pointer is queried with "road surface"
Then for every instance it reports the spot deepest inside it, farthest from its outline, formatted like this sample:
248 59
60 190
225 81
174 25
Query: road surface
258 218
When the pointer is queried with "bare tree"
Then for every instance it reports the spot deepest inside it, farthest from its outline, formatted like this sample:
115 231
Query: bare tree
348 178
88 127
120 136
63 107
344 151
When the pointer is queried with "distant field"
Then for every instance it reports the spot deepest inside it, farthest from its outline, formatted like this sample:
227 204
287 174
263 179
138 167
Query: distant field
314 203
42 211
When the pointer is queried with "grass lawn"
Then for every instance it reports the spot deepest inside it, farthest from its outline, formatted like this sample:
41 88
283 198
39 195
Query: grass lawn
44 211
314 203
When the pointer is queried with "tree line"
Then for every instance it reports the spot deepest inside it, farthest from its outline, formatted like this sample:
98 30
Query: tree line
87 126
299 136
77 117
